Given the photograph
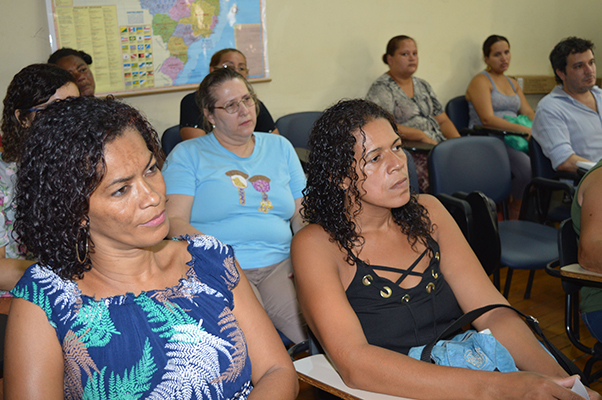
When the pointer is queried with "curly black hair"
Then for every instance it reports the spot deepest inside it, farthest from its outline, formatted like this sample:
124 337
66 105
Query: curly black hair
562 51
332 181
66 51
62 164
32 86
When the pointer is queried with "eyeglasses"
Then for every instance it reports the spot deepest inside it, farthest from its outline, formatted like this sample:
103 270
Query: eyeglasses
35 109
234 106
242 69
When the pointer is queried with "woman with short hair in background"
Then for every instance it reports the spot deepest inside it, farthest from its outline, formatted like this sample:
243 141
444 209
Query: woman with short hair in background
243 187
191 113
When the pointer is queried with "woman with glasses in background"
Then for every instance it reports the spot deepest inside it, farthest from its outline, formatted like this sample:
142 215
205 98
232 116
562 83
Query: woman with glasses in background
30 91
191 115
243 187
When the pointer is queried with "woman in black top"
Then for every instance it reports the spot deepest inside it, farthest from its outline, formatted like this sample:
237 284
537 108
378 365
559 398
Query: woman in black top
191 117
381 269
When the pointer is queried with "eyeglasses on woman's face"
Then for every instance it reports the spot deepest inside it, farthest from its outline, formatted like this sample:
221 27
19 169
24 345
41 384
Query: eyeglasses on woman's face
233 106
241 68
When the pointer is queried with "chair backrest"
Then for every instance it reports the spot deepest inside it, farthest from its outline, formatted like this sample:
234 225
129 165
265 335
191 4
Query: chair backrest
296 127
567 243
457 111
412 174
484 236
471 163
171 137
541 166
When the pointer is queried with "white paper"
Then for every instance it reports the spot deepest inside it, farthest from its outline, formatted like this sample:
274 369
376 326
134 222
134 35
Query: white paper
587 165
580 389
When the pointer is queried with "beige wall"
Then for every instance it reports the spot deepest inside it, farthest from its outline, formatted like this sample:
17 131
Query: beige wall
324 50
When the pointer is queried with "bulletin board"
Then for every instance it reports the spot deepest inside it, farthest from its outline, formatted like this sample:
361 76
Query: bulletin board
149 46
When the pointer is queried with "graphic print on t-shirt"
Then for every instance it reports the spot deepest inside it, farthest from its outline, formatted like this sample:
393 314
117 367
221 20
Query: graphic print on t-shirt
261 183
239 180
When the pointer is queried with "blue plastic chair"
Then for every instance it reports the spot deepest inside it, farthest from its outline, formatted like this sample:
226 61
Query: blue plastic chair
297 126
480 163
457 111
171 137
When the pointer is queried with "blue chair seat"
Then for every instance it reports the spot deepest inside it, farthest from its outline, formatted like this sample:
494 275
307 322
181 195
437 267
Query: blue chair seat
480 163
527 244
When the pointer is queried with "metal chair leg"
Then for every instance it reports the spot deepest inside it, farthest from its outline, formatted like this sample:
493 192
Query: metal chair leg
496 278
508 281
529 284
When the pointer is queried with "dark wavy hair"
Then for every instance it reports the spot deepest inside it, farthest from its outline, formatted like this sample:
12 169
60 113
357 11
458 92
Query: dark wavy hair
32 86
393 45
62 164
205 96
332 166
66 51
566 47
490 41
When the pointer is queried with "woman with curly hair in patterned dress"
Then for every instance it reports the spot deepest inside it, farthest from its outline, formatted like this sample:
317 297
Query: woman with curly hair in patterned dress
111 309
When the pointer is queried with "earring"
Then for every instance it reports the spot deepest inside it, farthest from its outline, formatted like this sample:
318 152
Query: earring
77 246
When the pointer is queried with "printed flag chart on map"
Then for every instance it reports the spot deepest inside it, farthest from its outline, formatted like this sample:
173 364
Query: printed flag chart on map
142 46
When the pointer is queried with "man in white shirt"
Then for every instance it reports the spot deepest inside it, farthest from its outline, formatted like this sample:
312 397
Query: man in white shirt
568 121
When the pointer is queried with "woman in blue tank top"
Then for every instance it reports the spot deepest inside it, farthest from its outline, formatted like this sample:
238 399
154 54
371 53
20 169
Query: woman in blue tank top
491 96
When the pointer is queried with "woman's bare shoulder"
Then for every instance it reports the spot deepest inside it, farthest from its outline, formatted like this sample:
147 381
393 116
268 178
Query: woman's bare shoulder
313 241
479 81
311 232
438 214
430 202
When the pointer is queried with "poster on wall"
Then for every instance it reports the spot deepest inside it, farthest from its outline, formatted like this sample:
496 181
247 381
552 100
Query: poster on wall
148 46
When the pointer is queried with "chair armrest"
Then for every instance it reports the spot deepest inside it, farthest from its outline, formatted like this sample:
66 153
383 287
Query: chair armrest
570 176
418 147
298 348
481 130
553 269
552 184
532 208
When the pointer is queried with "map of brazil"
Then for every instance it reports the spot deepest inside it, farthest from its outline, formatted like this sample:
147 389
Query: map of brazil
154 45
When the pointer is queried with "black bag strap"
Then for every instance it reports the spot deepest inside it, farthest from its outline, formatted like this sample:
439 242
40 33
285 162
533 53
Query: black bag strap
470 316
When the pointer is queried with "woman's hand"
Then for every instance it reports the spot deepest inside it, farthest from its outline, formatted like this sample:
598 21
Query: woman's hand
593 395
529 385
414 135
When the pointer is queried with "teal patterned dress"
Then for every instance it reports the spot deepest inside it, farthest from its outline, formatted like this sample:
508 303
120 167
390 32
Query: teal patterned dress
182 342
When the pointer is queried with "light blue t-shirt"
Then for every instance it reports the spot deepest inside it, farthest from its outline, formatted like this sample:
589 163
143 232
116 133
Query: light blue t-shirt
245 202
563 126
